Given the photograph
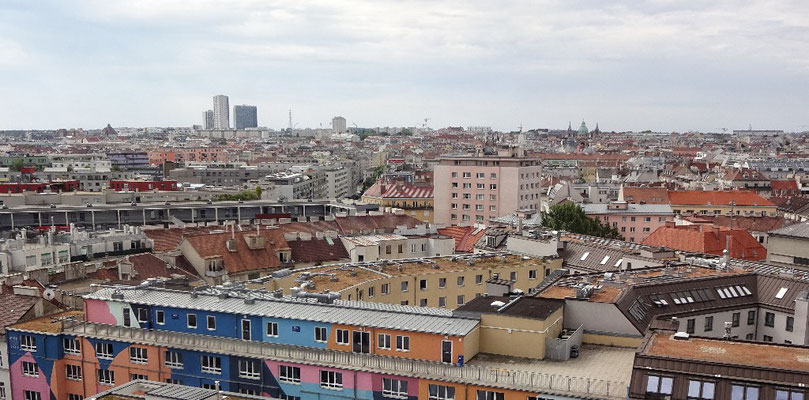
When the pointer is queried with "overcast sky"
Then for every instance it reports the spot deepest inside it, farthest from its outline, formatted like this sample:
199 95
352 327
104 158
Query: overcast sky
628 65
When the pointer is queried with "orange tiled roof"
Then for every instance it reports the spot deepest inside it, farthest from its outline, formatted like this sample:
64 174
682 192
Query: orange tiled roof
709 240
647 195
464 238
243 258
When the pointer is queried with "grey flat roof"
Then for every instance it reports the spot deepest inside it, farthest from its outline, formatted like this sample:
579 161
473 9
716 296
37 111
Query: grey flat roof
796 230
631 209
357 313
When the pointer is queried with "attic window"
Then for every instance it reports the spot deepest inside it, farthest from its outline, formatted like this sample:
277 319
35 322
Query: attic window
781 293
604 260
584 256
618 263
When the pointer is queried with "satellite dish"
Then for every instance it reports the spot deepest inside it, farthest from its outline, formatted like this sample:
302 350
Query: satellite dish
48 294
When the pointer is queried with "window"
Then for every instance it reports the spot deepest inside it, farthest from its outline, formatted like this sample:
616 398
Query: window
289 374
790 324
134 377
513 276
442 301
660 385
383 341
423 284
385 288
454 174
211 365
493 186
708 323
30 369
249 369
331 380
28 343
160 317
174 359
740 391
454 185
3 391
283 396
320 334
106 377
394 388
71 346
532 274
767 338
460 281
342 336
492 197
467 175
442 282
735 319
402 343
211 323
690 325
478 279
788 394
490 395
272 329
32 395
104 350
751 317
73 396
467 186
440 392
460 300
404 285
73 372
191 320
143 315
138 355
423 303
700 389
127 317
769 319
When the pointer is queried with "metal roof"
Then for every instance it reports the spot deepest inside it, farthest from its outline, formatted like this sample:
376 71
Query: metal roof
357 313
643 209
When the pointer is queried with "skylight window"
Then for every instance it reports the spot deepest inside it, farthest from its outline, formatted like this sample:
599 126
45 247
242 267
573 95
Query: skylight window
604 260
781 293
584 256
618 263
721 293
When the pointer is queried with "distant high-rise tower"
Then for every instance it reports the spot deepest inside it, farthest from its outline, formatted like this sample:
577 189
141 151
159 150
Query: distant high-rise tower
221 112
338 125
207 119
245 116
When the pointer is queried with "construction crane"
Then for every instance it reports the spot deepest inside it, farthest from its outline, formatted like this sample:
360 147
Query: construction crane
424 125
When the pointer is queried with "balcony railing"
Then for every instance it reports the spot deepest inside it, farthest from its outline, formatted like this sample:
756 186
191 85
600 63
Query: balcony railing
468 374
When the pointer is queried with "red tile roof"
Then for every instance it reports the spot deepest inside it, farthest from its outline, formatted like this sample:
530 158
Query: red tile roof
784 185
464 238
317 250
740 197
169 239
709 240
243 258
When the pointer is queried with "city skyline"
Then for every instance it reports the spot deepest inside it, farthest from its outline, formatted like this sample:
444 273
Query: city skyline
627 66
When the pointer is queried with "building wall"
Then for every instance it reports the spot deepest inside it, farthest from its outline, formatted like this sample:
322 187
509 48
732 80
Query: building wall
687 209
634 227
783 249
516 187
450 292
604 319
518 337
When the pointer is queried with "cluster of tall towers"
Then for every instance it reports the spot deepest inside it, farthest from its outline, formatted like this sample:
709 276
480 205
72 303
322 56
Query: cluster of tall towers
244 116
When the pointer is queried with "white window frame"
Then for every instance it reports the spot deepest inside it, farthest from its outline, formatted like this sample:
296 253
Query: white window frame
249 369
210 322
30 369
103 354
160 317
174 359
138 355
383 341
73 372
343 337
402 343
394 388
287 373
28 343
321 334
333 380
32 395
188 321
272 329
211 365
106 377
71 346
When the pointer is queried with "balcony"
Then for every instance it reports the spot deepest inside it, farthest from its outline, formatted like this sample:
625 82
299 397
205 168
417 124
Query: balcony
491 376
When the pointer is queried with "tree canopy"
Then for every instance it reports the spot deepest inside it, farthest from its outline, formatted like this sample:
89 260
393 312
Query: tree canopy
571 218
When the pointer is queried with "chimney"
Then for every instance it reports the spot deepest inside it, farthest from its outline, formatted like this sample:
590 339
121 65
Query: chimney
670 224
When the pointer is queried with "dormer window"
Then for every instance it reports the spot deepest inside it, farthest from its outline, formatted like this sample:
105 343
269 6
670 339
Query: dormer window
284 256
215 265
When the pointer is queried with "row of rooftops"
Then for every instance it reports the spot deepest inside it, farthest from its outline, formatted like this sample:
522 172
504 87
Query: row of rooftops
267 304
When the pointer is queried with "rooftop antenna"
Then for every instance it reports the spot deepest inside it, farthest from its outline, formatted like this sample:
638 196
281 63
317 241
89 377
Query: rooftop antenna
290 120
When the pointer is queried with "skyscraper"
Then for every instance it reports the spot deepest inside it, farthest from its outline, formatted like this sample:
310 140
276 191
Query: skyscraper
245 116
221 112
338 125
207 119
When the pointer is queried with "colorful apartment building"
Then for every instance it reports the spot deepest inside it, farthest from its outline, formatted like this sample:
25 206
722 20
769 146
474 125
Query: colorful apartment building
633 221
184 155
262 343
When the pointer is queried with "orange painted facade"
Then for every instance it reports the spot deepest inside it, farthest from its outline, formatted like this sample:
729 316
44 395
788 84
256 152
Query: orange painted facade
470 392
423 346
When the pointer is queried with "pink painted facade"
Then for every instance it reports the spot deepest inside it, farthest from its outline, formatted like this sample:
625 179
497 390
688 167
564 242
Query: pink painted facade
472 190
633 221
